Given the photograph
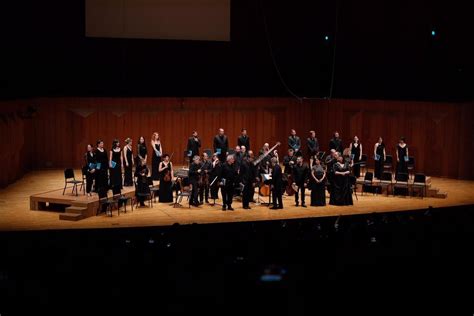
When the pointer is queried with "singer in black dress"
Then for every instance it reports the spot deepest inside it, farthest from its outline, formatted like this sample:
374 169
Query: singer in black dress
165 193
128 160
115 164
379 157
318 184
356 155
156 157
402 156
142 154
101 177
341 191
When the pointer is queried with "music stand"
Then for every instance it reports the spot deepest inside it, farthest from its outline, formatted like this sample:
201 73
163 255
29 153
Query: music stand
266 179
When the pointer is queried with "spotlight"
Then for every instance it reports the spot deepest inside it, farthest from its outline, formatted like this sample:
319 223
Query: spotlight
433 33
326 38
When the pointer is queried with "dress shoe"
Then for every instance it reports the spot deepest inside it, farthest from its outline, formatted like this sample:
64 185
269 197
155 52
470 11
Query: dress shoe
224 208
230 208
303 205
274 208
247 208
297 204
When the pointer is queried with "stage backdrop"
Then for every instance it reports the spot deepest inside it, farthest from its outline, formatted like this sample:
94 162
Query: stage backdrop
439 135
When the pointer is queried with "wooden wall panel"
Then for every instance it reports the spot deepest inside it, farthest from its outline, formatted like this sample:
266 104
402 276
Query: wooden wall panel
439 135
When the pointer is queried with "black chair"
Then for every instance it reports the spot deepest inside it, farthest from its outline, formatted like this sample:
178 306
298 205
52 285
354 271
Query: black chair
411 165
105 204
401 182
369 183
386 180
363 163
419 183
353 183
183 191
120 199
145 195
69 178
153 188
84 178
388 163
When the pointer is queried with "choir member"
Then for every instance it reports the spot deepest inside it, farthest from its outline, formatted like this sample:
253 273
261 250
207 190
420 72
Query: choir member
142 181
115 165
336 143
194 175
312 144
128 163
221 144
237 157
228 180
402 156
243 151
300 173
142 152
89 168
165 194
248 174
204 185
341 188
243 139
289 161
294 141
156 158
379 157
277 185
356 155
102 163
194 143
318 192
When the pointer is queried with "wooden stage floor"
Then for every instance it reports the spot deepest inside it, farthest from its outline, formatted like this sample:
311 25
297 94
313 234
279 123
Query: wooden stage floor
15 213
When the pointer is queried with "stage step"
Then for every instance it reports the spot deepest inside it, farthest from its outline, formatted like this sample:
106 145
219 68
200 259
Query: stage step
71 216
76 209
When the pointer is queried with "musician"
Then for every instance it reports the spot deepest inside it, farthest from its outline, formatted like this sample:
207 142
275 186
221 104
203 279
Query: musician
356 155
89 168
228 180
300 173
238 157
341 191
277 185
265 151
243 139
129 163
221 143
194 175
142 181
330 161
336 143
379 157
243 151
101 177
402 156
142 153
165 193
194 143
312 144
294 141
318 193
248 175
215 175
206 168
156 158
289 161
115 165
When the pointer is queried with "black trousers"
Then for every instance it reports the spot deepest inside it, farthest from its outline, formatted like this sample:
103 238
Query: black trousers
194 192
277 197
204 192
247 194
89 181
301 189
227 195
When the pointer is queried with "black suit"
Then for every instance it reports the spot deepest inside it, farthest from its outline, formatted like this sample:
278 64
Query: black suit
294 142
248 173
336 143
313 146
229 173
244 141
300 176
194 180
223 143
277 182
194 146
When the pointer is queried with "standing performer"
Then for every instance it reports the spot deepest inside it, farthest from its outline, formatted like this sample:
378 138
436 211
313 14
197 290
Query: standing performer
89 168
194 175
379 157
330 161
194 143
156 158
142 182
356 155
221 145
115 165
336 143
204 180
101 177
248 174
300 178
402 156
289 161
237 157
341 190
318 192
312 144
214 176
142 153
277 185
228 179
243 139
165 193
128 159
294 141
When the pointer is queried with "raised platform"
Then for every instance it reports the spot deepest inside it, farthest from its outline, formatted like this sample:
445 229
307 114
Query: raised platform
40 190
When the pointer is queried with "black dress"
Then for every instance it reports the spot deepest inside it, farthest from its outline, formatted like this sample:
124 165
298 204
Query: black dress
341 190
318 192
355 152
142 187
116 172
379 163
165 193
142 152
155 163
128 179
101 177
402 165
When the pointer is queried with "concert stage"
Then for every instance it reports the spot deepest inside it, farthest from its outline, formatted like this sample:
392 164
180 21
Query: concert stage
23 206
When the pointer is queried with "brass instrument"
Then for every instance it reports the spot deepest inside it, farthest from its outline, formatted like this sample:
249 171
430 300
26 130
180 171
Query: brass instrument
262 156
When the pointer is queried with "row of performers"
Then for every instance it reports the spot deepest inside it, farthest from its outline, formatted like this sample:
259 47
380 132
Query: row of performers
209 174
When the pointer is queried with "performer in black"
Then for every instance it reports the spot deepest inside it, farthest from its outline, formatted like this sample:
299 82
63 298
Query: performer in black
142 153
277 185
243 139
248 174
318 192
330 161
402 156
228 180
142 181
294 141
115 165
165 193
379 157
206 168
128 160
300 174
336 143
102 166
194 175
312 144
214 176
289 161
356 155
89 168
341 191
156 157
194 143
221 144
